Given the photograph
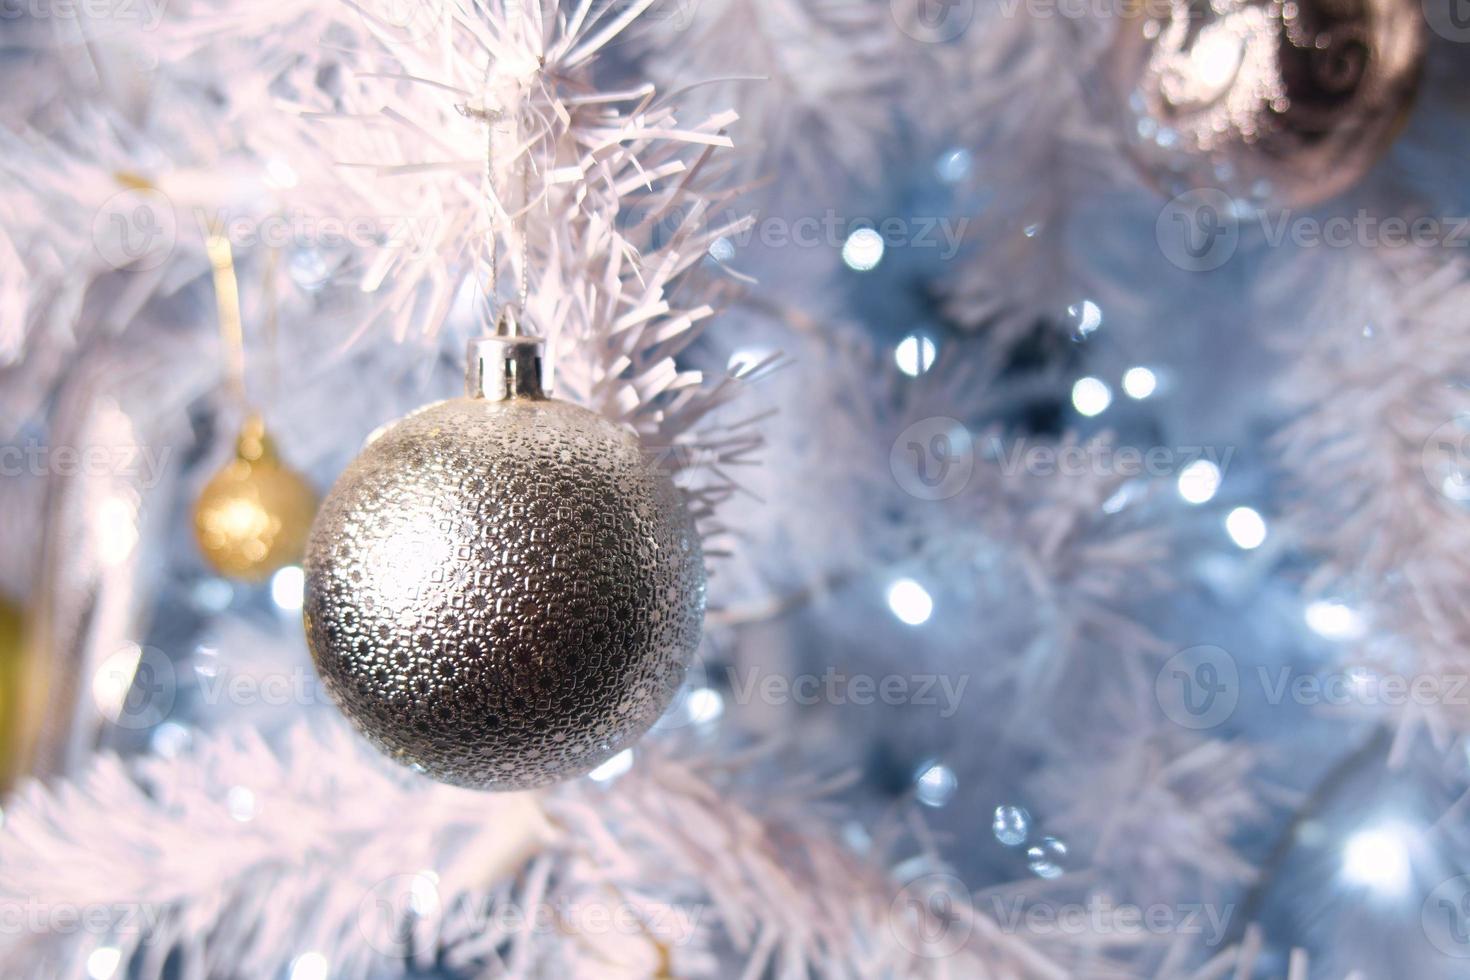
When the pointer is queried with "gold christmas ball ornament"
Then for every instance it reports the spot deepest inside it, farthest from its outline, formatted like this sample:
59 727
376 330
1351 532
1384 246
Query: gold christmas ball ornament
1283 102
503 590
253 516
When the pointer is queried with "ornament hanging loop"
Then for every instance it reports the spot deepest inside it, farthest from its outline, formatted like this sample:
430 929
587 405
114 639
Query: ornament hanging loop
496 125
505 365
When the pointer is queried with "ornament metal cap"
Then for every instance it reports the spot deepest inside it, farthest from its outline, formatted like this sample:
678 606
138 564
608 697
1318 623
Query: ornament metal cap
506 364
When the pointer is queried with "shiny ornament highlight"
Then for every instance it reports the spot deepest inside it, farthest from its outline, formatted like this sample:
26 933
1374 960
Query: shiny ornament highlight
1281 103
503 591
253 516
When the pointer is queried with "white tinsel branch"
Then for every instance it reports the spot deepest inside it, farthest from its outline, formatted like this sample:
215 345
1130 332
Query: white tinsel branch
478 131
1377 453
237 857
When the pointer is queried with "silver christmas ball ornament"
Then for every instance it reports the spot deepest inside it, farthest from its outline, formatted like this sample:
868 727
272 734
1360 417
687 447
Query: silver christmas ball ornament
1280 102
503 590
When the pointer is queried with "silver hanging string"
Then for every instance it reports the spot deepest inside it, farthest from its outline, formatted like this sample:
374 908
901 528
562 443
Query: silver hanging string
520 222
496 204
517 229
